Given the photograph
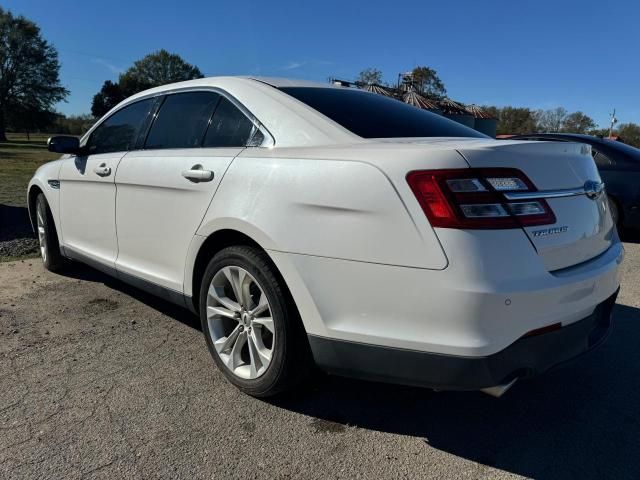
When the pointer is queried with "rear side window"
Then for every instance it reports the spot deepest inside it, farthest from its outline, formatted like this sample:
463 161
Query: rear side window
370 115
182 120
230 127
119 132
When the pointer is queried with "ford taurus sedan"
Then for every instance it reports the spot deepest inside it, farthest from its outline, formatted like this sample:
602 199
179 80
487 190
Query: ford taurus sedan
313 225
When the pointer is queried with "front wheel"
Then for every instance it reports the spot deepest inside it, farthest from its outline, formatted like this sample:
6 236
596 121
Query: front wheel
252 330
47 236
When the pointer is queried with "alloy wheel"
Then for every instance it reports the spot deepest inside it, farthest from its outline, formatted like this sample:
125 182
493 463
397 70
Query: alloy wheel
240 322
42 238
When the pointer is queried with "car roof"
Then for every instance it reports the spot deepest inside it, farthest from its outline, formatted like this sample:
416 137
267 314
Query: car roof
288 120
290 82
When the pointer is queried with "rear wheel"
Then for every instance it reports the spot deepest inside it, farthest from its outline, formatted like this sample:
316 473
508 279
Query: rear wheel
253 332
47 236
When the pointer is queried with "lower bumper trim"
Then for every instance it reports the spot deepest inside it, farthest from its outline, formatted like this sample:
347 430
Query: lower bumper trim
528 356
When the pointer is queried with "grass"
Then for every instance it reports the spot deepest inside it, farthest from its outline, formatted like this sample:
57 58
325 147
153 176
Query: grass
19 159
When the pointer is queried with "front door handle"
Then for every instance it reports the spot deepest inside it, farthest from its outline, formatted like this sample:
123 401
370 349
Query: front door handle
102 170
197 174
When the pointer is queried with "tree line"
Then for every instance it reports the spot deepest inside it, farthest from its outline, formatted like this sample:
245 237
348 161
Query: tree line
30 88
511 120
521 120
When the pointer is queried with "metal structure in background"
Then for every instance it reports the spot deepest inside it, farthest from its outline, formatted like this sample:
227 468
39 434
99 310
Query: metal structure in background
457 112
472 115
483 122
414 98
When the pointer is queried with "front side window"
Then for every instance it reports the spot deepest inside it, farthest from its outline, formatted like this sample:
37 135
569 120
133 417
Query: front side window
119 132
370 115
182 120
230 127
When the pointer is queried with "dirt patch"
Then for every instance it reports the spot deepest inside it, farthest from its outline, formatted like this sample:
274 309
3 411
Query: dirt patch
325 426
100 305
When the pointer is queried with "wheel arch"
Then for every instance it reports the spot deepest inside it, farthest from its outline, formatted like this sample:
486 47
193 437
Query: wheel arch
211 245
217 240
32 195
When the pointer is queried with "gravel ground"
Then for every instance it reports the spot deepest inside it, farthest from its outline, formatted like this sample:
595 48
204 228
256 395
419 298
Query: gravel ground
102 381
16 236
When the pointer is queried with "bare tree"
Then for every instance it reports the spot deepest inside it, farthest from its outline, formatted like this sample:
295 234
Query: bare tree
551 120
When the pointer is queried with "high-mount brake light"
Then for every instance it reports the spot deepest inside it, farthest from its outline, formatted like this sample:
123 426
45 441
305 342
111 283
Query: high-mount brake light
473 198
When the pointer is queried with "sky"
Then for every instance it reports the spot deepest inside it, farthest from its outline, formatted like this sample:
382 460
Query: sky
581 55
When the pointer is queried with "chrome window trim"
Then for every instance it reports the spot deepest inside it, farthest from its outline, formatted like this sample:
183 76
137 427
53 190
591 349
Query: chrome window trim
269 140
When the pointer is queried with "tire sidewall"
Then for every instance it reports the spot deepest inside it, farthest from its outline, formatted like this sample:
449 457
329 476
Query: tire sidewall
253 262
43 210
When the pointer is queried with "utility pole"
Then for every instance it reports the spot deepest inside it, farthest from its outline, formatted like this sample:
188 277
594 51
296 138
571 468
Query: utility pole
613 121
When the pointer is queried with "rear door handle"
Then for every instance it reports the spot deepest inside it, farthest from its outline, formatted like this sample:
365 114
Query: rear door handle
197 174
102 170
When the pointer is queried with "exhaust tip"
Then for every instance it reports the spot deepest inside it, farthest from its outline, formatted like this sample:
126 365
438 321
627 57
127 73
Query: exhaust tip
499 390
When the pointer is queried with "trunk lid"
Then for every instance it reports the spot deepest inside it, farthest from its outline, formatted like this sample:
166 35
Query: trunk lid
584 228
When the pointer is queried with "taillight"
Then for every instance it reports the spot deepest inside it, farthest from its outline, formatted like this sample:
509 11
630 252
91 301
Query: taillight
473 198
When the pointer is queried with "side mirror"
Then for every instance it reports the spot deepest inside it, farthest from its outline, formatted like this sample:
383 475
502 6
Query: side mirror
64 144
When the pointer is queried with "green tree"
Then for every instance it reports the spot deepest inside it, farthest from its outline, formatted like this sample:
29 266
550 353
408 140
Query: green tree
514 120
493 112
629 133
599 132
108 97
370 76
29 71
73 124
28 119
578 122
426 82
158 68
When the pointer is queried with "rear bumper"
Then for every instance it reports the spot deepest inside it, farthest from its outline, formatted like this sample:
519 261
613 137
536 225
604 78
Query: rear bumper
525 357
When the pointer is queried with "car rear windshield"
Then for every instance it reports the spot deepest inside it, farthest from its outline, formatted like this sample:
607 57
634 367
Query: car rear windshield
370 115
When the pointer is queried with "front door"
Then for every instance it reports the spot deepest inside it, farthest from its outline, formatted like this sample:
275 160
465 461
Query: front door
87 186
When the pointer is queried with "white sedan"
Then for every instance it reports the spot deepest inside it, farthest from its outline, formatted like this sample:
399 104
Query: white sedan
309 224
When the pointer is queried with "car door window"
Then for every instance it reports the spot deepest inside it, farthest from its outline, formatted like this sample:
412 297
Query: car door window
230 127
182 120
119 132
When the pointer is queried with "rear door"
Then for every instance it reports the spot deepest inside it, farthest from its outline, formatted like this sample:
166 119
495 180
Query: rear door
564 173
165 189
87 186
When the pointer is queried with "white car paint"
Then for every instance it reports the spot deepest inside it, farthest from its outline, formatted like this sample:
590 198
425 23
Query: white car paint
337 217
87 206
151 186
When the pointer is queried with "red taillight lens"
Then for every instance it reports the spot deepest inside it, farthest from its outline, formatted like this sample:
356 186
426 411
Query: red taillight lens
473 198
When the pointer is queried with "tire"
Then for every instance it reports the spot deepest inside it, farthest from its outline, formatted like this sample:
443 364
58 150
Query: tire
260 357
47 236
